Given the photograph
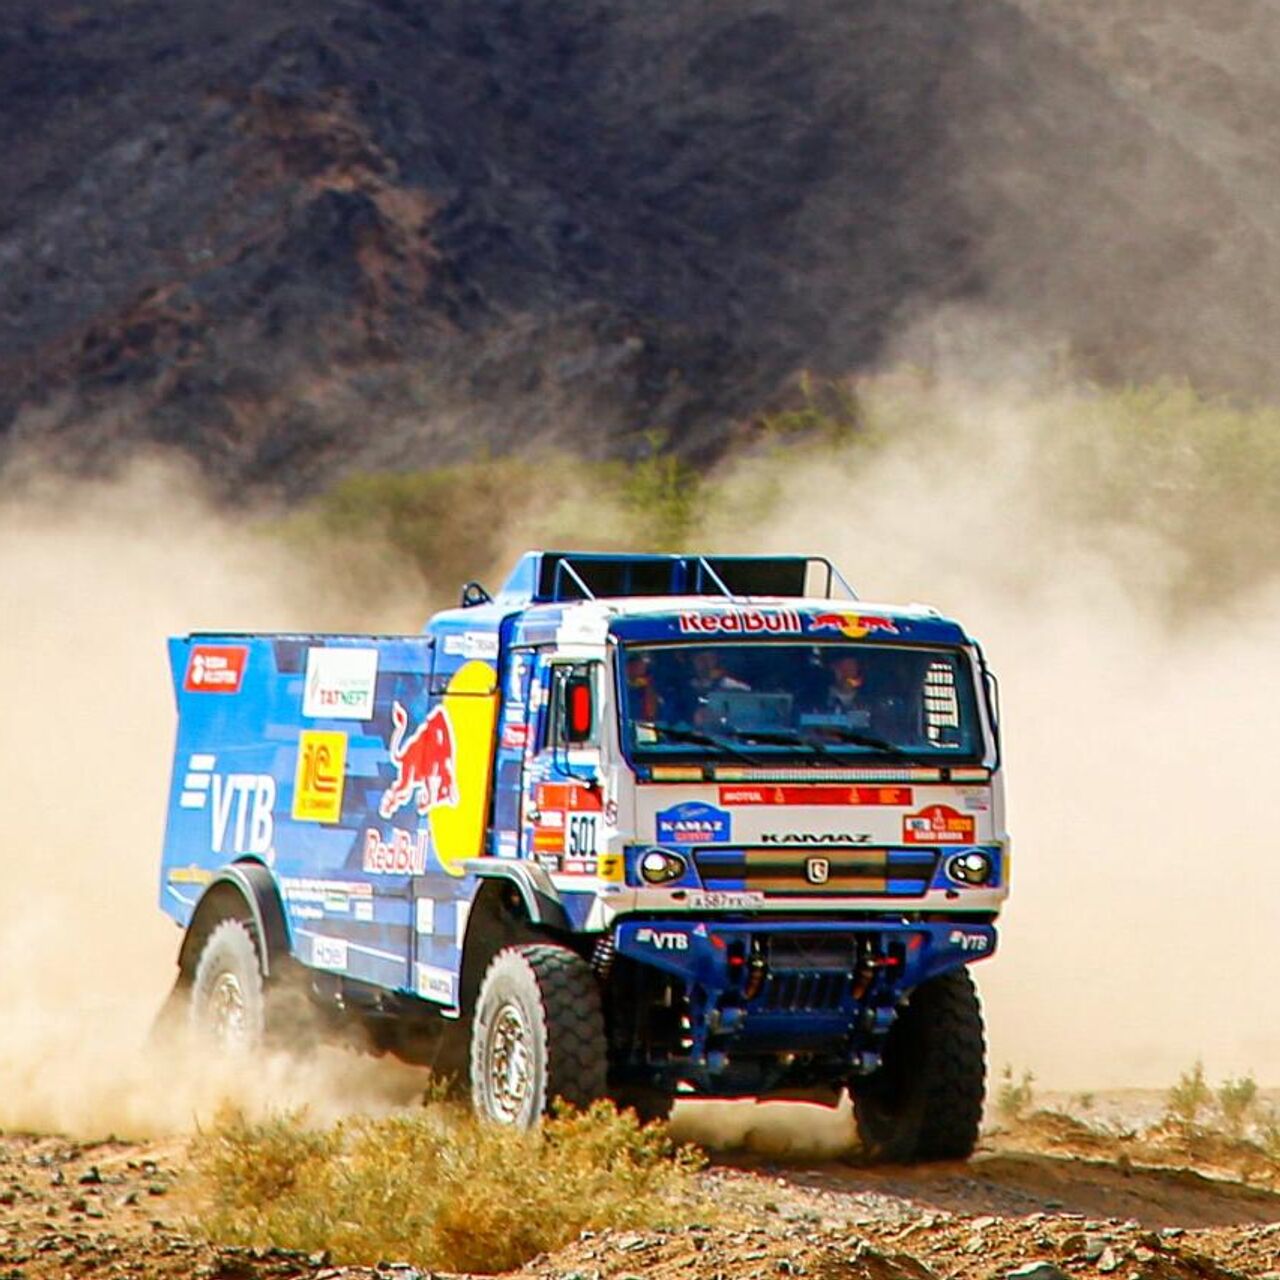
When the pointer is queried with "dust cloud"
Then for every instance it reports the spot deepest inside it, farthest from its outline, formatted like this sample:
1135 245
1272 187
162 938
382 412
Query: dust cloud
93 577
1138 739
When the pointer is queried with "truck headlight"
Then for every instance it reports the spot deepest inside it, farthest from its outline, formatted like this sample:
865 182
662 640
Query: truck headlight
974 867
657 866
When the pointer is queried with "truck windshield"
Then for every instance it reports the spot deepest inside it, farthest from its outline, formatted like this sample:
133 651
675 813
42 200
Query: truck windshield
766 702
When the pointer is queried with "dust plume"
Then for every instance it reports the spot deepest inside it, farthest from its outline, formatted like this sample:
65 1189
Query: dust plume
93 577
1137 721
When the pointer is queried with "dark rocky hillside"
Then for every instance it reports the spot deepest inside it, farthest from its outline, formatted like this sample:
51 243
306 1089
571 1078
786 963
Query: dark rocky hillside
294 236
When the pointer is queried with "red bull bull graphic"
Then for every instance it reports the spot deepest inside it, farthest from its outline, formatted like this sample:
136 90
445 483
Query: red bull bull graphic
854 625
424 763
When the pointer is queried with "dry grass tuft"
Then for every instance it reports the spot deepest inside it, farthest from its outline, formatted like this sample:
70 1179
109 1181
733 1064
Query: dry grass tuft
439 1189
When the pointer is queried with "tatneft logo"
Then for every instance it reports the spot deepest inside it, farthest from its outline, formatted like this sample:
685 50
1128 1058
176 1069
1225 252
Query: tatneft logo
215 668
239 805
340 684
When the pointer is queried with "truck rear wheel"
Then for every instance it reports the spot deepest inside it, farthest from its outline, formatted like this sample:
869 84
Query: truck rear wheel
538 1035
228 995
925 1101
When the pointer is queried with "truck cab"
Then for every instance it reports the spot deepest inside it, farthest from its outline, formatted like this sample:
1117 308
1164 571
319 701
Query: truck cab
641 826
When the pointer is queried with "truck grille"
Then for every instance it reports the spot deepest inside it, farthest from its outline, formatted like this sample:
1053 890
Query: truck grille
850 871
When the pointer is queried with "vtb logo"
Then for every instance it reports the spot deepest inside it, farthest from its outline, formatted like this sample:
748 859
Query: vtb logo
817 870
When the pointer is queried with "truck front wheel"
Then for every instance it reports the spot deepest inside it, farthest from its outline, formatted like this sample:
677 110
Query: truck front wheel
925 1100
538 1035
228 997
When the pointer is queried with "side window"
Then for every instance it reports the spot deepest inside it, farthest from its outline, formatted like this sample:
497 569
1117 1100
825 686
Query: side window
573 718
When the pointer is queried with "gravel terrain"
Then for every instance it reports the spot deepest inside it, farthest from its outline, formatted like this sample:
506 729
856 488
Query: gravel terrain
1038 1203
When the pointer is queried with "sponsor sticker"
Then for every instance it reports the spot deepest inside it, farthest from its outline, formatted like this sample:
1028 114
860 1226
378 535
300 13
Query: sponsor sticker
816 795
663 939
741 622
320 776
400 854
340 684
937 824
424 763
515 737
481 645
969 941
328 953
425 915
239 805
434 984
215 668
854 625
694 823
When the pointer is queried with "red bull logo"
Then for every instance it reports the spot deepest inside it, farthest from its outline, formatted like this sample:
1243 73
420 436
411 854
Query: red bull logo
424 763
854 625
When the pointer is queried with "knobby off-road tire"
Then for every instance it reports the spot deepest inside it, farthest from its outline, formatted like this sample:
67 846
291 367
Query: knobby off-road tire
228 994
925 1101
538 1035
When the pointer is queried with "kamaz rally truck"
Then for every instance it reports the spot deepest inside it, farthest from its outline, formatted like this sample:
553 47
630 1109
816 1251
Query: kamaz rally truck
644 827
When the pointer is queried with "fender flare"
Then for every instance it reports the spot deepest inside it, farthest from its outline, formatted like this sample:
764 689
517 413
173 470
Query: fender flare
254 885
541 899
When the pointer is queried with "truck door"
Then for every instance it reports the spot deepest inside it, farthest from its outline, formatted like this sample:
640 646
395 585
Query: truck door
562 828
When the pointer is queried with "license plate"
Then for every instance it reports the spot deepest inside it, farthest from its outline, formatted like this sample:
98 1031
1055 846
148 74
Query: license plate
724 901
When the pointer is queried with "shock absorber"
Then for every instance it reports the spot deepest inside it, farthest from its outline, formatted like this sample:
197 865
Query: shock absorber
602 957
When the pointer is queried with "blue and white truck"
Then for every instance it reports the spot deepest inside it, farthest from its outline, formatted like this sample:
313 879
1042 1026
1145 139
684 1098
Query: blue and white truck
637 826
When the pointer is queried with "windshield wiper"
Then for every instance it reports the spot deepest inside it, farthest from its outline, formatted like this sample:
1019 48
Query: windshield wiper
866 740
699 736
783 737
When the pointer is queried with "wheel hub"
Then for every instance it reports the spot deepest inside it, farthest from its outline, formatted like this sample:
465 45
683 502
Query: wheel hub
227 1016
509 1055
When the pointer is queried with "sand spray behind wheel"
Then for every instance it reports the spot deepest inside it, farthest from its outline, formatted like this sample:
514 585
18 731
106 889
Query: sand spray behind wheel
93 577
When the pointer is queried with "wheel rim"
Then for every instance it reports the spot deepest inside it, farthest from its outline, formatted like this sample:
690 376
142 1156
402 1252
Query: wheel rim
509 1059
225 1014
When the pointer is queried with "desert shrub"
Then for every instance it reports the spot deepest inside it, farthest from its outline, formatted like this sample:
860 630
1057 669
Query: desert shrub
1014 1096
1237 1101
438 1188
1189 1097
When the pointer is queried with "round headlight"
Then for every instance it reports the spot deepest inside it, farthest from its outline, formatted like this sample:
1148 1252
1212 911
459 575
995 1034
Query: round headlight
657 866
974 867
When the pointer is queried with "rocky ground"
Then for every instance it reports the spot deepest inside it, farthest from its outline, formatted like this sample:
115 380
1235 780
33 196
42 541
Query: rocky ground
1051 1198
287 238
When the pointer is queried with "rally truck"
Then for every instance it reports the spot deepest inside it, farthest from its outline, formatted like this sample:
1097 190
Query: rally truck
635 826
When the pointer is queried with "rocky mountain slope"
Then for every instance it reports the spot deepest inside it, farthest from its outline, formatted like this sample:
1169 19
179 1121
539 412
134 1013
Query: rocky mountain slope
294 236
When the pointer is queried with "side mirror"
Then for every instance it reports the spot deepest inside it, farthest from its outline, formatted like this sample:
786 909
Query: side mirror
579 709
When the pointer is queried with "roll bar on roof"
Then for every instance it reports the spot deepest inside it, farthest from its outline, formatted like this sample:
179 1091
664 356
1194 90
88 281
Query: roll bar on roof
543 577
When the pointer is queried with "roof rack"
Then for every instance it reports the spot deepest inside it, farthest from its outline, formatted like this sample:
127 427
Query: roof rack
563 576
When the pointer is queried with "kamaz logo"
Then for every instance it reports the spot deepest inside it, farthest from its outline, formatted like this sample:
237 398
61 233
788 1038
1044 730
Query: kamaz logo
811 837
969 941
663 941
